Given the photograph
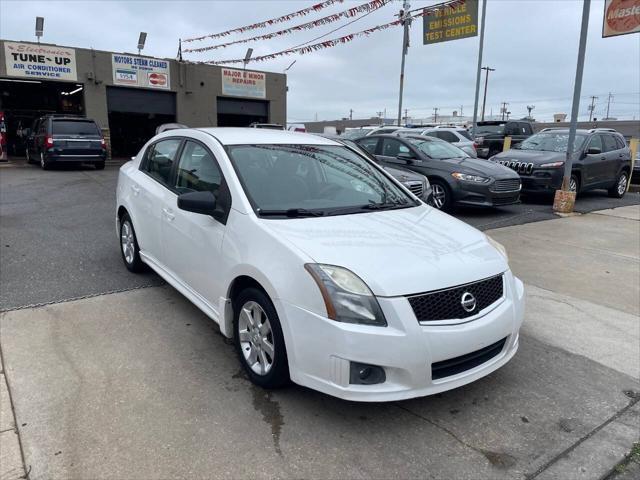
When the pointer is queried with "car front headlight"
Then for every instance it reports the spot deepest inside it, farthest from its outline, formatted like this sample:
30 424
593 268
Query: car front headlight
552 165
347 298
499 247
469 178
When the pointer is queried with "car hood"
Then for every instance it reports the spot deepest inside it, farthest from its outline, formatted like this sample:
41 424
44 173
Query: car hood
482 167
403 175
536 157
396 252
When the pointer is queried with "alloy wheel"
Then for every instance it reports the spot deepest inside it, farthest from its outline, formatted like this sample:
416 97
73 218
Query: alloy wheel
439 196
127 242
42 164
573 185
256 338
622 184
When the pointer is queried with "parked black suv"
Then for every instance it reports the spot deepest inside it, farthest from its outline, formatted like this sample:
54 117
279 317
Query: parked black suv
601 159
65 139
455 177
490 135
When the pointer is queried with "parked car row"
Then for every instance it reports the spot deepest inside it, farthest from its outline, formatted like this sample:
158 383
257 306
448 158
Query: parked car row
317 263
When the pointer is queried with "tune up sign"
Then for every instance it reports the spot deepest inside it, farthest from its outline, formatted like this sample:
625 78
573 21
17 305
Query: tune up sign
28 60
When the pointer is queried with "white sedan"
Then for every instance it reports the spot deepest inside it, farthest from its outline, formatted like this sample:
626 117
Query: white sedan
323 269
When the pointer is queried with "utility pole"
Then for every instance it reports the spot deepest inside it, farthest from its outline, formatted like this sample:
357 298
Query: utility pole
486 81
406 116
503 110
405 17
609 104
592 106
479 70
351 114
461 110
435 114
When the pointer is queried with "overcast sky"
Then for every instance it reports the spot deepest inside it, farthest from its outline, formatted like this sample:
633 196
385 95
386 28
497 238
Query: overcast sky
532 44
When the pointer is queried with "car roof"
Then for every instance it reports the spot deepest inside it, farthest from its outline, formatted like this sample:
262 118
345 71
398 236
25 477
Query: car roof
250 136
416 136
565 130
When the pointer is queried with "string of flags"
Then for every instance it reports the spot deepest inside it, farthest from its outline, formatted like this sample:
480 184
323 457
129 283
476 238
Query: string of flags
284 18
351 12
341 40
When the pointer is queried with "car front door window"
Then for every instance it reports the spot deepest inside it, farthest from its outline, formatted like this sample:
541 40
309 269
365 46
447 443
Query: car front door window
197 171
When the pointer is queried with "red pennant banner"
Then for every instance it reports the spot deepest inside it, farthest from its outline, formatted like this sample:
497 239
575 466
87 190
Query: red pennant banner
284 18
351 12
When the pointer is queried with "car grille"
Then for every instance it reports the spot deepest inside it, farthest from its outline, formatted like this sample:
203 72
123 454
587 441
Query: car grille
415 188
520 167
505 200
509 185
447 304
453 366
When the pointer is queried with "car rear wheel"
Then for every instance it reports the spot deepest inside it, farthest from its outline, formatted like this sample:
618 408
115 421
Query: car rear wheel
441 195
259 340
129 246
43 162
28 156
620 187
99 165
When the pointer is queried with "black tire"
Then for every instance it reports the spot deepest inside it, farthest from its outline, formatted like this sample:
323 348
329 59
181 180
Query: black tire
28 156
575 179
135 264
99 165
44 164
440 187
620 187
278 374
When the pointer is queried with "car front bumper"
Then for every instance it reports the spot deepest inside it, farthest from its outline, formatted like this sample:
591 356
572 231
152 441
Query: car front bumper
542 181
321 350
480 195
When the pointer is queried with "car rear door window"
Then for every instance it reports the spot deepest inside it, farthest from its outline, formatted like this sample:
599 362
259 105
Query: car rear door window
620 141
448 136
197 170
74 127
369 144
465 134
160 158
392 147
610 143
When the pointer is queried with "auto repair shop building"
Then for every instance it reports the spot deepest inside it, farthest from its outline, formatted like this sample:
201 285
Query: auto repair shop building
129 95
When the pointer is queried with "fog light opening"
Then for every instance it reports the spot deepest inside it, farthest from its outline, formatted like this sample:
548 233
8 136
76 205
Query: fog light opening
363 374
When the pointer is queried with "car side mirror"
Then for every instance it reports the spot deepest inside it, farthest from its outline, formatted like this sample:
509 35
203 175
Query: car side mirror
203 203
406 156
594 151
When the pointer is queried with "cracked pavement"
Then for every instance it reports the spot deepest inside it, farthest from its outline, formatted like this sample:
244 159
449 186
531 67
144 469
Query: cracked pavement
140 384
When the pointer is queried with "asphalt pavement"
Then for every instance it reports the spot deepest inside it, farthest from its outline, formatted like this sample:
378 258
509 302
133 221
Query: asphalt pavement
58 238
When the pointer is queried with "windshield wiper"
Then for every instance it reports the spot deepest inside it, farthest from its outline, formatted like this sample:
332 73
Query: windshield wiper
385 205
290 213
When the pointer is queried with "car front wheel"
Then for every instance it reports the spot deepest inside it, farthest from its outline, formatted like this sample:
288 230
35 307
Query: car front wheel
43 162
259 340
620 187
442 199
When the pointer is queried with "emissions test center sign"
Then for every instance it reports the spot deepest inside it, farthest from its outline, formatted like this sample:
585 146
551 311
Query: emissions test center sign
28 60
621 17
451 23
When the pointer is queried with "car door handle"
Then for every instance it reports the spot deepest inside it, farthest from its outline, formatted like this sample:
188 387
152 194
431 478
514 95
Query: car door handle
135 189
169 214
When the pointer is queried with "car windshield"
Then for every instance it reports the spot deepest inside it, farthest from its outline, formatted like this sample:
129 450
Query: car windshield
74 127
312 180
551 142
499 129
436 149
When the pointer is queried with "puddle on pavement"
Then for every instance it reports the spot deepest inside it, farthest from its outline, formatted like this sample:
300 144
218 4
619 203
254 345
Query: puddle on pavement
270 410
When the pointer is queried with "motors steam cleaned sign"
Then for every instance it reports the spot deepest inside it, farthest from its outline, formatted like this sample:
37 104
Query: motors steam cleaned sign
133 71
451 23
40 61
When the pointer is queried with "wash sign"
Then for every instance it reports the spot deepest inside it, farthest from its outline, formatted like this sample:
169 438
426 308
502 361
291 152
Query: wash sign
132 71
41 62
450 23
243 83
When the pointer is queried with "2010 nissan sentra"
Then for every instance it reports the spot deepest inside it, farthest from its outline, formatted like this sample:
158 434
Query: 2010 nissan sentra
323 269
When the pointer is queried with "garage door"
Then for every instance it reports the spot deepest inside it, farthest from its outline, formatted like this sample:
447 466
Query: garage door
140 101
235 112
